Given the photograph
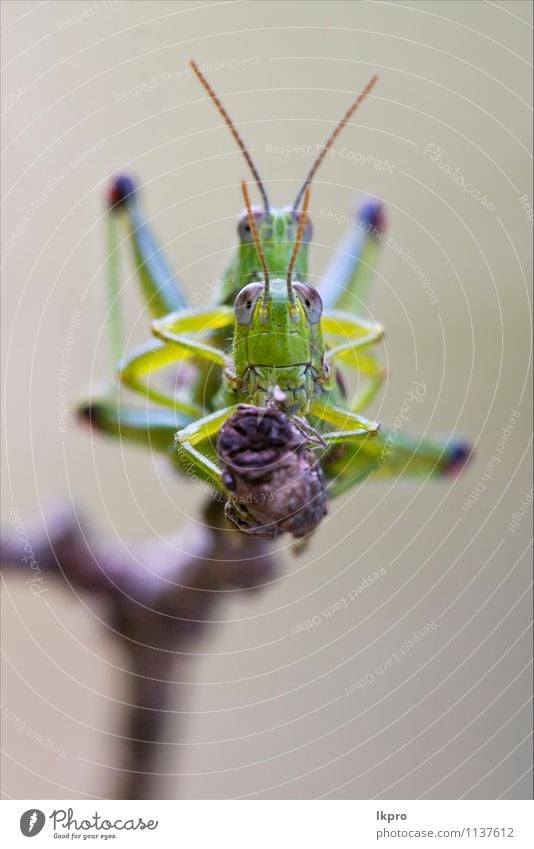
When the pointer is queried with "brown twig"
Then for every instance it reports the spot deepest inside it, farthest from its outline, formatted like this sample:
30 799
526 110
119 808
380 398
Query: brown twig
158 602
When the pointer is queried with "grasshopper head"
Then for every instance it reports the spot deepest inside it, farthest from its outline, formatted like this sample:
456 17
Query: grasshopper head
278 343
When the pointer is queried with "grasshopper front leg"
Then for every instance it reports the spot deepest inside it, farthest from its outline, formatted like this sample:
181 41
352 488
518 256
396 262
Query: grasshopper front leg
357 332
359 335
349 426
174 345
153 428
194 460
163 294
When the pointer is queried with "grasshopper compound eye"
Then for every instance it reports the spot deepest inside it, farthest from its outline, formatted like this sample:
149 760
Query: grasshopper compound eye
310 300
246 301
244 229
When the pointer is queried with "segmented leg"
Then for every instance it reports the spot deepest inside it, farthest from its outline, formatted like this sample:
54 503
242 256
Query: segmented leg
154 428
163 294
174 328
349 426
139 365
392 455
160 287
356 332
175 345
114 317
359 335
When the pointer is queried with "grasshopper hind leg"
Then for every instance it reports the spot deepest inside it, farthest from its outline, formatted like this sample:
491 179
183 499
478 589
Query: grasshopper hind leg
152 428
159 285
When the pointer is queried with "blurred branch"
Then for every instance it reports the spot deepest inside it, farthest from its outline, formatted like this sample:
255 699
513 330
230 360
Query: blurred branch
159 599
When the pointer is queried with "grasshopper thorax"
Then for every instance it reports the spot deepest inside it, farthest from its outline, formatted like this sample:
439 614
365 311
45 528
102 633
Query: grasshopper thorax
277 232
278 347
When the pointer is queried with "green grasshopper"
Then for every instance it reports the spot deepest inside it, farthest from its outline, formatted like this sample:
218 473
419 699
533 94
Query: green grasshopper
269 339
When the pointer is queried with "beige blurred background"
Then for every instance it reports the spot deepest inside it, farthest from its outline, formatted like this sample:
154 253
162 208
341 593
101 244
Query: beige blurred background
266 715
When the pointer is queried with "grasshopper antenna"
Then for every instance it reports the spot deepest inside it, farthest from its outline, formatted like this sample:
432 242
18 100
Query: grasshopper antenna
298 240
237 137
346 117
256 237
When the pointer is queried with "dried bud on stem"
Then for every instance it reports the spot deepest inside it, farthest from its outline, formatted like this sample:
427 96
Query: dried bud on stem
275 481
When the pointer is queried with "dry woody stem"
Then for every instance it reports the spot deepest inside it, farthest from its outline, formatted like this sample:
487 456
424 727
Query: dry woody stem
159 604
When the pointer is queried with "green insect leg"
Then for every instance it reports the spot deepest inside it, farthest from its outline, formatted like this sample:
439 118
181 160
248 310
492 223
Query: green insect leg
392 455
175 345
350 427
348 276
152 428
358 336
161 289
